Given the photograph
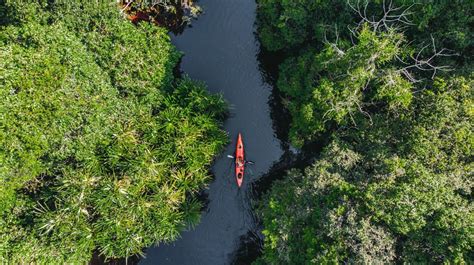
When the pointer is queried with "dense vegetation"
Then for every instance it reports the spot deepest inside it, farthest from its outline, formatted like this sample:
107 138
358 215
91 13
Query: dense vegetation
290 24
395 182
396 188
101 147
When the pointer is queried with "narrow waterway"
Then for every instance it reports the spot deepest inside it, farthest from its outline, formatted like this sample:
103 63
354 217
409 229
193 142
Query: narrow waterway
221 49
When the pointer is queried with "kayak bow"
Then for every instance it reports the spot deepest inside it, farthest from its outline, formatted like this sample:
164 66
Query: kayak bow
239 161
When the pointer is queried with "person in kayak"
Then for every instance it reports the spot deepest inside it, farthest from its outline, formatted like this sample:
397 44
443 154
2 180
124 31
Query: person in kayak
240 162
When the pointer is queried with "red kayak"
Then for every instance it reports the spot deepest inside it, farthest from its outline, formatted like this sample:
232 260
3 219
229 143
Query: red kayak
239 161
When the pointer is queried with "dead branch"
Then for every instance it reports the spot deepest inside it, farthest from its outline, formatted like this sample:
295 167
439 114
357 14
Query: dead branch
391 15
426 64
338 50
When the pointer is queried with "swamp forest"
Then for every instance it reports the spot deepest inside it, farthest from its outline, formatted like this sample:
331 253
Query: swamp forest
236 132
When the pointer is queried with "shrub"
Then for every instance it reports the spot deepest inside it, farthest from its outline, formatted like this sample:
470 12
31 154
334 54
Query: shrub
101 148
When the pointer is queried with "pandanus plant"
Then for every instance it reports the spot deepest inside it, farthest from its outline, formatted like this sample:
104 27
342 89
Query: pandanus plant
102 149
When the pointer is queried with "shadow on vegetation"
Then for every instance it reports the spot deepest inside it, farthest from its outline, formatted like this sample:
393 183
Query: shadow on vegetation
98 259
251 244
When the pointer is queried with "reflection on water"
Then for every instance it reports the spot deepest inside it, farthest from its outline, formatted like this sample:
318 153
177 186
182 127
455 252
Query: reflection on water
221 49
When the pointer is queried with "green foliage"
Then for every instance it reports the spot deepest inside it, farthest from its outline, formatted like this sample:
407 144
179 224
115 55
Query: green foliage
325 82
397 188
328 87
286 24
101 148
138 59
449 23
395 183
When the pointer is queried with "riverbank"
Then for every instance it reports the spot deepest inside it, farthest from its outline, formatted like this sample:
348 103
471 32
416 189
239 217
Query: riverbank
221 49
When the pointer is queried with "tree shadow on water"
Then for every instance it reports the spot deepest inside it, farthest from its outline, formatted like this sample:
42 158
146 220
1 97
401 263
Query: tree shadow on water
269 63
251 244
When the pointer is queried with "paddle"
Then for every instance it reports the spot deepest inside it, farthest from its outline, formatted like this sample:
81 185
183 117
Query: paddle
246 161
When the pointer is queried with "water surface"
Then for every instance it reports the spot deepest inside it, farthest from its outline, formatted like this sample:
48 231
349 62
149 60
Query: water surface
221 49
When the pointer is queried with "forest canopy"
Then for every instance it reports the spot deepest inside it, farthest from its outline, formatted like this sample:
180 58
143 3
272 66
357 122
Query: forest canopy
394 188
391 84
102 148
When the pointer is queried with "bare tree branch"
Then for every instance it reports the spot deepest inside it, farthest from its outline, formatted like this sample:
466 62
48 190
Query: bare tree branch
391 15
426 64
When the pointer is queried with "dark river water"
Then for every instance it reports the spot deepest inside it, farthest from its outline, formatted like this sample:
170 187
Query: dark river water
221 49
